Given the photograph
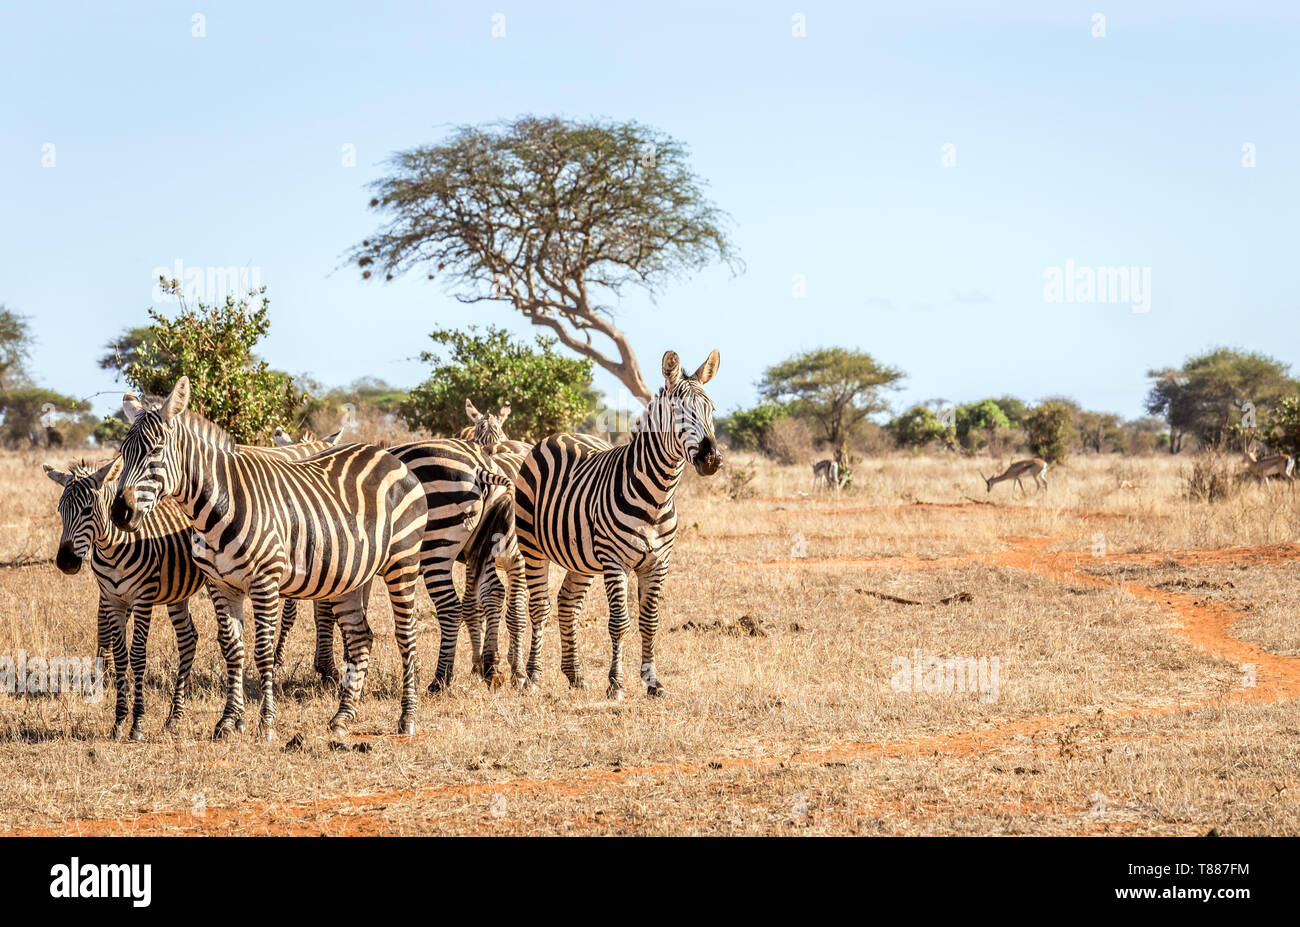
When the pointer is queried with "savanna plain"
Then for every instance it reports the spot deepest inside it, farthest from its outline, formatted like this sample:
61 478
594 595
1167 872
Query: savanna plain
1138 655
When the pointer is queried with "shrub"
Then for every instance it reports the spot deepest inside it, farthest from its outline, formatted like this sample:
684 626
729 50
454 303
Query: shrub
790 441
1213 477
547 393
1047 429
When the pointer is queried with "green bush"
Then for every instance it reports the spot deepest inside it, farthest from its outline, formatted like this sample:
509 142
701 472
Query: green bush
547 393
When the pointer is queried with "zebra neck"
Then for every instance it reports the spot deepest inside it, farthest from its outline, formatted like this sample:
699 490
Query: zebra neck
199 466
656 468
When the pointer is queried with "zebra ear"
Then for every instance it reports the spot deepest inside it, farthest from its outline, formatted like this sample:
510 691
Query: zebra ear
672 368
504 413
708 368
178 401
472 412
131 407
110 471
57 475
333 439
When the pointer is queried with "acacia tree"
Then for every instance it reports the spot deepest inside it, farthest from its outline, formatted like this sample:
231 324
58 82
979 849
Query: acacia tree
1205 397
553 217
835 387
15 345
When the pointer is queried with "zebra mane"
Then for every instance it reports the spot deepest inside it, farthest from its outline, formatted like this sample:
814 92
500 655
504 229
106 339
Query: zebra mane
196 424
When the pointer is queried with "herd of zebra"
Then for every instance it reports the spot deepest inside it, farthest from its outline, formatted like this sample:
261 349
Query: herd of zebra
184 507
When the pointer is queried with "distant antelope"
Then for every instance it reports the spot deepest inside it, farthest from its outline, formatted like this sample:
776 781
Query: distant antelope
826 473
1273 465
1034 466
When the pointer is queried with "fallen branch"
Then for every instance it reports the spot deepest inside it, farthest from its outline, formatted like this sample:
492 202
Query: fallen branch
957 597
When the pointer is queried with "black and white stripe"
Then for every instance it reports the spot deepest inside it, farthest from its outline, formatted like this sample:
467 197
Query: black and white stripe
596 510
264 527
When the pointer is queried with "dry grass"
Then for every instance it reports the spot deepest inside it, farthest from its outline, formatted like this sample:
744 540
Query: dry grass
1120 702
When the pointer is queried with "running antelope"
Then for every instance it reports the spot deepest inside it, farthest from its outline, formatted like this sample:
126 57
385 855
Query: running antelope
1034 466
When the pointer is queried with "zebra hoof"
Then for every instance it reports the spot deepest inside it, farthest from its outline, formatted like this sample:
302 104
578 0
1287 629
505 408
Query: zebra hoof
172 725
577 682
437 687
267 733
406 725
614 692
224 729
329 676
137 734
119 731
656 691
496 681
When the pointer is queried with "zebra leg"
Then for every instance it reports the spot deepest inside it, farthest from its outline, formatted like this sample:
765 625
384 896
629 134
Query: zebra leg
141 615
516 615
537 574
491 595
230 637
265 595
437 579
325 665
573 592
649 587
616 591
401 582
112 635
471 615
288 616
186 641
357 637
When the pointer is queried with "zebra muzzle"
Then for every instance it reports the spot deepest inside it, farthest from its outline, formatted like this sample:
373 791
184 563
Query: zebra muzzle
67 560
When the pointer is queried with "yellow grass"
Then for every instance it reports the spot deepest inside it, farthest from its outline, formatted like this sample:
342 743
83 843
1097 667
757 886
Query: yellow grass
1147 690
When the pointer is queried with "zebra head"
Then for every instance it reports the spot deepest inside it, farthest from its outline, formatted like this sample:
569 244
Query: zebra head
83 510
686 412
487 427
148 456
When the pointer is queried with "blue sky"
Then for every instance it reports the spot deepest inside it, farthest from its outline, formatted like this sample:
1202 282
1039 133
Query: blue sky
1122 151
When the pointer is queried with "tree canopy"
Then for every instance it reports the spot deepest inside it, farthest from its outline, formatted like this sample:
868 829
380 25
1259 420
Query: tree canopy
547 393
837 388
554 217
15 345
1205 397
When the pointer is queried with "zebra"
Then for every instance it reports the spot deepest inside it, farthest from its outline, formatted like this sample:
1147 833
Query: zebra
459 478
134 572
461 482
826 473
487 430
263 526
306 445
597 510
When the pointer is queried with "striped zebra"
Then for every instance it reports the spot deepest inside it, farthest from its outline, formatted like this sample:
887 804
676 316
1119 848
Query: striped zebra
486 429
134 572
597 510
463 503
285 447
461 482
263 527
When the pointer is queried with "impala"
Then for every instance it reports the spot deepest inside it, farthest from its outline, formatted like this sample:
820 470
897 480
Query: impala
1034 466
1274 465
